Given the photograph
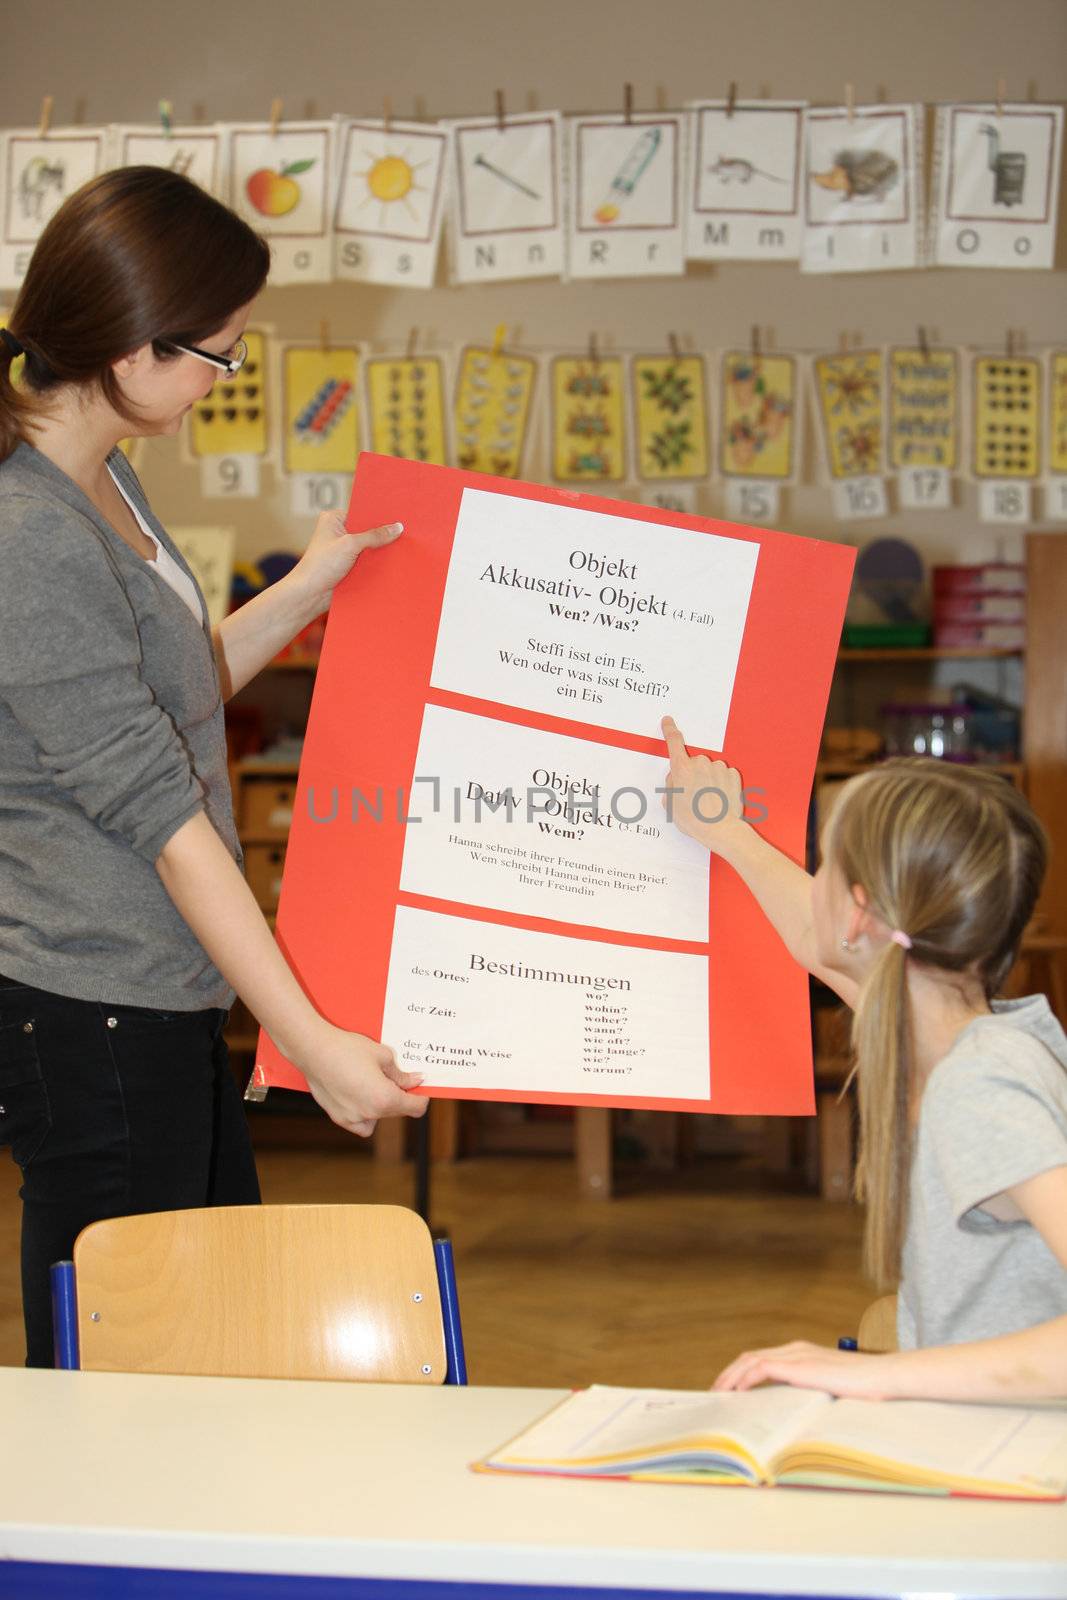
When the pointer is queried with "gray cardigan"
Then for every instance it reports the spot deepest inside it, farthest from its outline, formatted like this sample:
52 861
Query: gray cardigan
111 737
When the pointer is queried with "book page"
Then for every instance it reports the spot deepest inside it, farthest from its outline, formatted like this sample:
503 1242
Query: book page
619 1430
996 1444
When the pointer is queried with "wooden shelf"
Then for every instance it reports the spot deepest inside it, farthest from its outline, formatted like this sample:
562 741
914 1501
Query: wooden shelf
930 653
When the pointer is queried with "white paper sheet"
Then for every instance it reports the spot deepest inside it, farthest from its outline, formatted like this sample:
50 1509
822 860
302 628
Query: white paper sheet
476 1004
549 826
597 619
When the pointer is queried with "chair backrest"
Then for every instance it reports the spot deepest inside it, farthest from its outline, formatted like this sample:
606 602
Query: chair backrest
878 1326
330 1291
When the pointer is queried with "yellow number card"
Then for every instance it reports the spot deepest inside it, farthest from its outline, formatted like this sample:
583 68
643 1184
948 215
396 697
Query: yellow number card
319 391
1007 417
588 419
758 430
849 392
232 419
671 414
924 409
406 407
494 394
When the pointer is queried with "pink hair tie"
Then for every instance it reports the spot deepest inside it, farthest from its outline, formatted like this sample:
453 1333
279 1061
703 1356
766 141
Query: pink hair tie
900 938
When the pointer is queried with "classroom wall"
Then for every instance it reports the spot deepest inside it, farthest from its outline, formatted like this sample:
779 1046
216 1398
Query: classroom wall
106 60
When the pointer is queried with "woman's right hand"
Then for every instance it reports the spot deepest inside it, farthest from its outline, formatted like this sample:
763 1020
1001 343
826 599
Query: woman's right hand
357 1081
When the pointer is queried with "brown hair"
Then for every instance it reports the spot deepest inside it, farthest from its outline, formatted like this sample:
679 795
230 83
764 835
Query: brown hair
136 256
954 858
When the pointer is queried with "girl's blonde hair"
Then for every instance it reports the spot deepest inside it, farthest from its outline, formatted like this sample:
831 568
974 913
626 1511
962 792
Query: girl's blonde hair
954 858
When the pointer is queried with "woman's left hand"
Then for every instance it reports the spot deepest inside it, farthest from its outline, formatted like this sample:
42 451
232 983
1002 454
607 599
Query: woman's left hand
332 553
811 1366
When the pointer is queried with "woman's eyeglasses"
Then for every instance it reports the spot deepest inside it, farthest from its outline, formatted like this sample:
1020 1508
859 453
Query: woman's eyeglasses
229 363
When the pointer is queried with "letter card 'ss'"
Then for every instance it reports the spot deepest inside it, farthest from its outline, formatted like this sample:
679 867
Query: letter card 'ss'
481 871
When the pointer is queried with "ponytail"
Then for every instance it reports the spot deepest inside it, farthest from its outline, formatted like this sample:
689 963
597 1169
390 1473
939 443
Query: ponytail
16 408
881 1041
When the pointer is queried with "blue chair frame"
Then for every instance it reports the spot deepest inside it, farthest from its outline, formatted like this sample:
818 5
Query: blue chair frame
65 1314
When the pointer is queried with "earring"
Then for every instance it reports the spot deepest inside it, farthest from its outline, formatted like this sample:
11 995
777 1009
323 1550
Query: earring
846 946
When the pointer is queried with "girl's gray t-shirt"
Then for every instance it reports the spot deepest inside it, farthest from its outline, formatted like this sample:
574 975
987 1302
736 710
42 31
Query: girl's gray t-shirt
993 1114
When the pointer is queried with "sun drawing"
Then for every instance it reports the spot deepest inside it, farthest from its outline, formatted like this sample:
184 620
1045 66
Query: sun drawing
390 179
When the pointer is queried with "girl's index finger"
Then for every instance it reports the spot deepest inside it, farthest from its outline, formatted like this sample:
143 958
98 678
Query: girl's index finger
673 735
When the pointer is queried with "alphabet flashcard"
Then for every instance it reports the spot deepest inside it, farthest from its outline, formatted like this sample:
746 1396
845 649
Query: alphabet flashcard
281 180
39 173
862 205
195 151
506 198
625 196
996 182
390 202
744 180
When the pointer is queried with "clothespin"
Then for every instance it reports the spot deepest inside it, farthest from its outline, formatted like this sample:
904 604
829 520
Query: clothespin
923 344
594 354
842 344
275 116
1001 86
672 345
413 339
166 117
387 114
857 339
1009 344
500 333
731 99
850 101
324 336
499 97
755 340
628 102
46 117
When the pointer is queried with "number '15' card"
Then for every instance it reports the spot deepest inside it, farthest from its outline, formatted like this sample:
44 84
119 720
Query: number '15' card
481 871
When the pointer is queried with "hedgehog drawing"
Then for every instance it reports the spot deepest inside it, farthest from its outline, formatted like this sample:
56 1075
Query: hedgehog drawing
860 174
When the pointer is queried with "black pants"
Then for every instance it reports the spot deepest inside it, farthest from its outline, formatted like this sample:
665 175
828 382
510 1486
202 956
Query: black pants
112 1111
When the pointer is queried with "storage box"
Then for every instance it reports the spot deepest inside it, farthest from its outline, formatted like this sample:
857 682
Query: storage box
991 607
999 577
980 636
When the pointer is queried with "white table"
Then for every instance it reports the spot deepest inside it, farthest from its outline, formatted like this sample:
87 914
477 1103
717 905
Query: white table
372 1482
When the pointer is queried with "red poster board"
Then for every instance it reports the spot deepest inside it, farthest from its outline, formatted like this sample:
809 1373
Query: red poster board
341 887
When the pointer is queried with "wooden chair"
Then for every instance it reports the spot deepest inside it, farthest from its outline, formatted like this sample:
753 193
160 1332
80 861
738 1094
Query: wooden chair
342 1291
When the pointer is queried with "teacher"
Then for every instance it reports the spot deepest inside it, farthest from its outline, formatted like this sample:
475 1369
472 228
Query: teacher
125 922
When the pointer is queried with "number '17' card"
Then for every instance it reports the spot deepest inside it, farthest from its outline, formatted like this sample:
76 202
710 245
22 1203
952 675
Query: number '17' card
480 869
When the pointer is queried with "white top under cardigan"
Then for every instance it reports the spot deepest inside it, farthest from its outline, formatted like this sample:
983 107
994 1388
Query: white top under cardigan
163 563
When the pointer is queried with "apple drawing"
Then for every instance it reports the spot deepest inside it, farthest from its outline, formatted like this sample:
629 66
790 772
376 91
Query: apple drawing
274 194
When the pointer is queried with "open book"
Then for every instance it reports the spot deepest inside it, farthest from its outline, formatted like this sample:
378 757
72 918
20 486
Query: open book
797 1436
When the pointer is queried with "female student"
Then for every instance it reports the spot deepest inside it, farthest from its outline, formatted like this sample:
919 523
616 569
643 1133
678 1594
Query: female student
929 875
125 923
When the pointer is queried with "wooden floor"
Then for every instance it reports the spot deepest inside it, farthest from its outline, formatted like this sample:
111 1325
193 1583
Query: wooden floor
661 1285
